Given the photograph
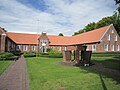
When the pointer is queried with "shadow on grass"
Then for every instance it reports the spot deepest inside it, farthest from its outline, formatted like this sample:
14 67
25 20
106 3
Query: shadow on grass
102 81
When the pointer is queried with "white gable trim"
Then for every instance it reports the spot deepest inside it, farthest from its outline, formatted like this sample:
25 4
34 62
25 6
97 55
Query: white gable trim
105 32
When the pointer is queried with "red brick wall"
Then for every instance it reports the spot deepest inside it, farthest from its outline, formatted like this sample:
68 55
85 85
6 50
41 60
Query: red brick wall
104 41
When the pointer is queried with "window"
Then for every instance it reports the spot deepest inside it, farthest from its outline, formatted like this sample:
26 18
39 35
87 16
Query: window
44 42
106 47
115 38
112 31
112 47
33 48
94 47
118 48
59 48
108 38
18 47
65 48
25 47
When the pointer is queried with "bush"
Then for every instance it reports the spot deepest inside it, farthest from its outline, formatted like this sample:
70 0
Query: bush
29 54
17 53
51 55
106 54
8 56
55 55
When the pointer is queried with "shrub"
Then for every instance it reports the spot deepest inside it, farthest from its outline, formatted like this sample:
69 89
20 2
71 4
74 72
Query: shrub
106 54
8 56
18 53
56 55
29 54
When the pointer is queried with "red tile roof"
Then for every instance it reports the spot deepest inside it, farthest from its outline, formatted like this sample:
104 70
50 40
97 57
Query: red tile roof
22 38
93 36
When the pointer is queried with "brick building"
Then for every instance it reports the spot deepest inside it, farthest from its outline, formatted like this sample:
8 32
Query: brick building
104 39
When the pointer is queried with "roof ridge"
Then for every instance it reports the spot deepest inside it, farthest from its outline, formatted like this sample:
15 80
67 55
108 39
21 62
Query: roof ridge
91 30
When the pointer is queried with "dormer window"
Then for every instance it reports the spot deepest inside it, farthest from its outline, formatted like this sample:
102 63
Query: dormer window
108 37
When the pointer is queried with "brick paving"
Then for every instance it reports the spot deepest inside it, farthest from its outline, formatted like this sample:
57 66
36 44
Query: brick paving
15 77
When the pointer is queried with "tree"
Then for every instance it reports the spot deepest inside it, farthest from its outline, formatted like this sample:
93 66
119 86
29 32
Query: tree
60 34
118 3
114 19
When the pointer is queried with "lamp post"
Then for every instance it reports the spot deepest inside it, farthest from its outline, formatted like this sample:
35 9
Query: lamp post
37 42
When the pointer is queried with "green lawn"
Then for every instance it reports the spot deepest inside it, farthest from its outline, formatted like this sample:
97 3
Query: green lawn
45 74
4 65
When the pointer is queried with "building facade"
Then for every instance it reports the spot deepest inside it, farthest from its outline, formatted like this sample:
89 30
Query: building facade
110 42
104 39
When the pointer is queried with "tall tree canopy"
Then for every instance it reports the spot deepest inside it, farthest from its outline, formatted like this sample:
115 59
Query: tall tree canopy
114 19
60 34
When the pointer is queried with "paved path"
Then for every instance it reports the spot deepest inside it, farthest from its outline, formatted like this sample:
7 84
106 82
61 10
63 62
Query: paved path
15 77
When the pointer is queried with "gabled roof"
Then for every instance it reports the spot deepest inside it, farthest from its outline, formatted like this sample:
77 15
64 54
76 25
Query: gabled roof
90 37
93 36
22 38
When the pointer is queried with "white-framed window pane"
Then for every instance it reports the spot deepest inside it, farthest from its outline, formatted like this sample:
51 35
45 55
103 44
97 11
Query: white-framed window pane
33 48
118 47
18 47
94 47
59 48
25 47
112 47
106 47
108 37
115 38
112 31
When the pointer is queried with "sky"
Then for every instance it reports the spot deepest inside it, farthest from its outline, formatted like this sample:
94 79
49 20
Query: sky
52 16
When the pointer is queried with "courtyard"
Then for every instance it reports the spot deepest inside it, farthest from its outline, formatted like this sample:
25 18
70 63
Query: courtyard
45 74
52 73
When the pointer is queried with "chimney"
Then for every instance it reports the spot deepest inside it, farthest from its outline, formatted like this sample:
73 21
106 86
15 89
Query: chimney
44 33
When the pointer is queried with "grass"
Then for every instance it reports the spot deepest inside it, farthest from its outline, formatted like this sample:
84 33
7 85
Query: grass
4 65
45 74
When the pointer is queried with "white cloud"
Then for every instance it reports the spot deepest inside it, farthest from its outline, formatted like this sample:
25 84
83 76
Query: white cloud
66 16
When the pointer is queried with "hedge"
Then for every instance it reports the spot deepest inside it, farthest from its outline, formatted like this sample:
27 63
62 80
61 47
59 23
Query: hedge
29 54
51 55
8 56
106 54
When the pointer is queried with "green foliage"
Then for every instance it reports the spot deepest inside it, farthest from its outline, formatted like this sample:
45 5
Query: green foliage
118 3
114 19
29 54
18 53
8 56
52 54
106 54
60 34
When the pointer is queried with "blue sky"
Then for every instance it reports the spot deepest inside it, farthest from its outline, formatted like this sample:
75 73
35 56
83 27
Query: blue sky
52 16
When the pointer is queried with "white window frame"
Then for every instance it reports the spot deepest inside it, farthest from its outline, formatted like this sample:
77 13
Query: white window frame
25 47
118 48
108 37
33 47
106 47
115 38
112 48
94 47
65 48
112 31
18 47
